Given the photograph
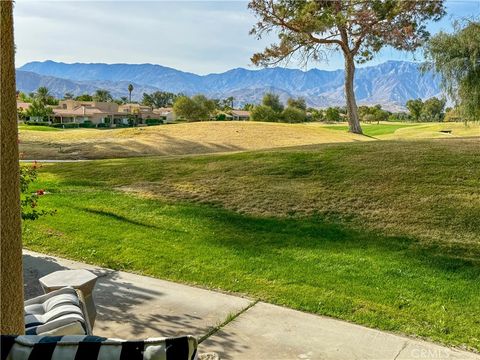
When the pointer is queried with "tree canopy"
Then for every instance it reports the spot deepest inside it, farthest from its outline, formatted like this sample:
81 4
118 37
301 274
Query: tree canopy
84 97
102 96
294 115
38 109
130 89
415 107
43 95
456 57
272 101
430 110
263 113
299 103
357 28
196 108
159 99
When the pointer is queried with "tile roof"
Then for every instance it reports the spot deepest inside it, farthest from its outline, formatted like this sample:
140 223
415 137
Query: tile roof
80 111
240 112
23 105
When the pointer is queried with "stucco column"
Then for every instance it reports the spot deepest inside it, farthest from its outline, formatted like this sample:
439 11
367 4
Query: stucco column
11 277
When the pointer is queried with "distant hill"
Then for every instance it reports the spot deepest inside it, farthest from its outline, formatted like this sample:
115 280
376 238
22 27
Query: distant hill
390 84
28 81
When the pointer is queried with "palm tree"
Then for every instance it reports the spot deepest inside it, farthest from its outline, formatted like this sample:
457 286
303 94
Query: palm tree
11 280
130 89
43 94
230 100
68 96
102 95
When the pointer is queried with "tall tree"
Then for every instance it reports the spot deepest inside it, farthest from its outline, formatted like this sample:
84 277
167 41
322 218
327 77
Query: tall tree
11 278
299 103
38 109
272 101
357 28
102 96
159 99
432 109
84 97
457 58
130 89
43 95
415 107
229 102
195 108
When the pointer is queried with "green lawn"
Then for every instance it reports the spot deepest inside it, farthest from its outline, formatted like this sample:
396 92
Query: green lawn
373 129
37 128
384 234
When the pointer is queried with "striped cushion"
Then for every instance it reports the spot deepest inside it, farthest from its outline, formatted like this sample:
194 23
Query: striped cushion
31 347
59 312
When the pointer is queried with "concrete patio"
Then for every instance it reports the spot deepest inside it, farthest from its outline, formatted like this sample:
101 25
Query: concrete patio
133 306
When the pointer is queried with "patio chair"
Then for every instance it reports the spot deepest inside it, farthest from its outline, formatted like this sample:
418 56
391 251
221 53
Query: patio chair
57 326
60 312
34 347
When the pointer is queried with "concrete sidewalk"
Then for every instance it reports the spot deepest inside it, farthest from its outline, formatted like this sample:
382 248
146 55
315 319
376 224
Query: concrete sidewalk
133 306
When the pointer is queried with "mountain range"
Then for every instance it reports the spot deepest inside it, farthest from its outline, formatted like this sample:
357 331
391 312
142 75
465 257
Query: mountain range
389 84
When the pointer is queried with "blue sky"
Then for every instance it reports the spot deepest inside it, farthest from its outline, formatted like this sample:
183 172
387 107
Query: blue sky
197 36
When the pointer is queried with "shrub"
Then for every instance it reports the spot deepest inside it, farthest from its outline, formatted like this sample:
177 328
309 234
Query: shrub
29 199
332 114
37 123
66 126
151 122
87 124
195 108
103 125
263 113
221 117
294 115
272 101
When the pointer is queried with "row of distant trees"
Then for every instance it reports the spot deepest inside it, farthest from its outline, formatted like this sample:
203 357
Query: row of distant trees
44 96
296 111
199 108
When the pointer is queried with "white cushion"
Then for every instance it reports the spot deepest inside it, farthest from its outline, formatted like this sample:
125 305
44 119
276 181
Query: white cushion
59 310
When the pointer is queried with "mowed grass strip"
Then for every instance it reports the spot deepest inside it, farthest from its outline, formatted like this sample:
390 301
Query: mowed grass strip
373 129
410 131
23 127
384 234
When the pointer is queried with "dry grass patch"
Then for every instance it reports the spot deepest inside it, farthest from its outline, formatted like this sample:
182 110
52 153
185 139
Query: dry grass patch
177 139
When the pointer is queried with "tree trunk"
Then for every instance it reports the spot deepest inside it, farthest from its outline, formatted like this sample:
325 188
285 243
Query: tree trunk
11 278
352 110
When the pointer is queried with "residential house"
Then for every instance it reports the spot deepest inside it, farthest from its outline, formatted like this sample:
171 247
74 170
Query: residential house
96 112
166 114
73 111
141 112
240 115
